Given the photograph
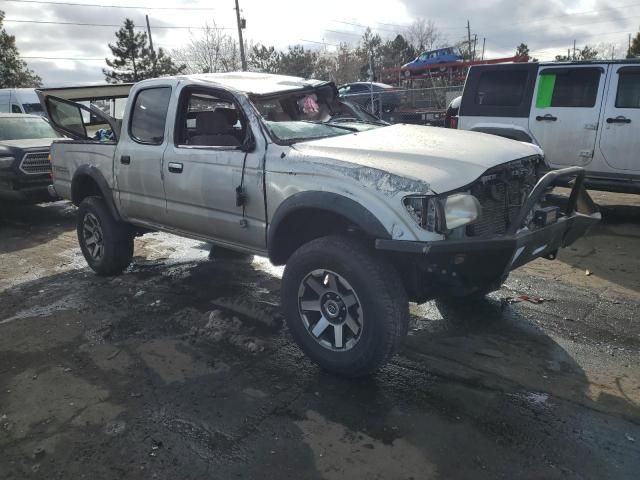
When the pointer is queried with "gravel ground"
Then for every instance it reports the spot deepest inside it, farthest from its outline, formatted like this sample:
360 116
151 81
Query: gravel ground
181 369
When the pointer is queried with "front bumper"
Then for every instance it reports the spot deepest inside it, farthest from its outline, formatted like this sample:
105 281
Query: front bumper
462 267
21 188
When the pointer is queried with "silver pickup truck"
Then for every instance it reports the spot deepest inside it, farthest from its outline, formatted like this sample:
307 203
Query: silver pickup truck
366 216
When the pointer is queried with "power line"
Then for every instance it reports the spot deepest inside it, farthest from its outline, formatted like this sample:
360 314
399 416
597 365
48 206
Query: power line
44 2
319 43
87 59
51 22
345 33
366 26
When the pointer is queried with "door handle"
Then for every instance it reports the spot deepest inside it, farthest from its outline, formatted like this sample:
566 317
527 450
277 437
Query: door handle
175 167
547 117
125 159
619 119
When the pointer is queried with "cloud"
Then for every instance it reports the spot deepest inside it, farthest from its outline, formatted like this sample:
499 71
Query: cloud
549 27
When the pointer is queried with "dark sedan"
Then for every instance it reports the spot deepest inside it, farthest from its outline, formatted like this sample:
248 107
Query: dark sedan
376 98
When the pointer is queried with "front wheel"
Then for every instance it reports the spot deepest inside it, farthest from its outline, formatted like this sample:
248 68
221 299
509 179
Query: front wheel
345 306
106 244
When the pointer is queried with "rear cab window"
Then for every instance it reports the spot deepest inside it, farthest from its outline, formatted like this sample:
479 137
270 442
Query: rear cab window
149 115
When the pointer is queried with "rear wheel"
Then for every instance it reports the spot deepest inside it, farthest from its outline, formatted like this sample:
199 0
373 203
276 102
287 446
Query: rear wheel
106 244
344 305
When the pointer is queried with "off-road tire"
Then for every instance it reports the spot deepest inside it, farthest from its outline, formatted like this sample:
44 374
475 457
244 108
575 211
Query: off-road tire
383 299
117 238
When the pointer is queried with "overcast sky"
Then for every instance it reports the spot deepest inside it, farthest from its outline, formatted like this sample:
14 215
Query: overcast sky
549 27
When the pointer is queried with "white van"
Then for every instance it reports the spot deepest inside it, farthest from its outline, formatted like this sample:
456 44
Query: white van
583 114
20 100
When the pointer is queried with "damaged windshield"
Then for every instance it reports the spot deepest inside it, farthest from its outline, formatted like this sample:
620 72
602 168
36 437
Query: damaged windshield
312 114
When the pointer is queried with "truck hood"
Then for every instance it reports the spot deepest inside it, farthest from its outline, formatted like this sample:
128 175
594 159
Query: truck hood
440 158
28 143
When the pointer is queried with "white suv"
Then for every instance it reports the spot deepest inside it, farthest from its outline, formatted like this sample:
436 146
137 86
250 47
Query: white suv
583 114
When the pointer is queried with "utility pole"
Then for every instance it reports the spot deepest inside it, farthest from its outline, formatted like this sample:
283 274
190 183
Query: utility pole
475 41
574 50
242 57
469 38
629 49
484 41
149 33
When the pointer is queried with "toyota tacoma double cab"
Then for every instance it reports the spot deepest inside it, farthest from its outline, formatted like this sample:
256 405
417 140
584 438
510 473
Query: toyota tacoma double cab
365 216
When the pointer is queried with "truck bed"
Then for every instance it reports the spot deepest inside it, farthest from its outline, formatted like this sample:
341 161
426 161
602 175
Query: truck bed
68 155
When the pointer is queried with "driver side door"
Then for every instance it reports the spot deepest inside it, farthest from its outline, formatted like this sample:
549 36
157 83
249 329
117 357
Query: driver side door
213 170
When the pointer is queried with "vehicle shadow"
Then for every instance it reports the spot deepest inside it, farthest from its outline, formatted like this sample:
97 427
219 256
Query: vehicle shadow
25 226
605 250
478 391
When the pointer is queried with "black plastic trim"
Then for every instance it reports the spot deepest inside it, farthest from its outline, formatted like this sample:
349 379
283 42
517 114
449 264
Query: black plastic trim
510 133
566 69
327 201
629 70
95 174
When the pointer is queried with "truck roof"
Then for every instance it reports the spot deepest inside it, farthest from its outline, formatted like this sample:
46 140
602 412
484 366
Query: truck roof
18 115
252 83
255 83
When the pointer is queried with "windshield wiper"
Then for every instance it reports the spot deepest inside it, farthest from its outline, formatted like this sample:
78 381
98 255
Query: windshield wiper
357 120
331 124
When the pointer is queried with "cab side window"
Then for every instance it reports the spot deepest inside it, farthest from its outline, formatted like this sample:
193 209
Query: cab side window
207 120
149 115
572 88
628 95
15 108
501 88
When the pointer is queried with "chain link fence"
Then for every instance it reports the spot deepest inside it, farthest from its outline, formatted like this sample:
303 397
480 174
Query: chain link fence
422 106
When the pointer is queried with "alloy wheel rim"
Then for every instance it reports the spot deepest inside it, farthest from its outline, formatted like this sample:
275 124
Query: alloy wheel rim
330 310
92 235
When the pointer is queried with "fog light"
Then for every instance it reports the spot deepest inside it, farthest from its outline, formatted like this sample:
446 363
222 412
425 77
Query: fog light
546 216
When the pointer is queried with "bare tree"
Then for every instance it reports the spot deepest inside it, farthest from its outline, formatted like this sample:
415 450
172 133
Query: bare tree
211 51
609 51
424 35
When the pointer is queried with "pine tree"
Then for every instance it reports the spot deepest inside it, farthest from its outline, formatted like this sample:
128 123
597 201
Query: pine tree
13 70
522 50
134 60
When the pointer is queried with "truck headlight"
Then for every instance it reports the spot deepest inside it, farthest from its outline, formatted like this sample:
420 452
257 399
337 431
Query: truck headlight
424 211
442 214
6 162
461 209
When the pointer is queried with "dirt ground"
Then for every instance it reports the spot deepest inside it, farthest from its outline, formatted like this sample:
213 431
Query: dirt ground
181 369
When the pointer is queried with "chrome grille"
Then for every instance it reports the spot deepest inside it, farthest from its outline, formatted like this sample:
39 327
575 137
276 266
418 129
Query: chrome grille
35 163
